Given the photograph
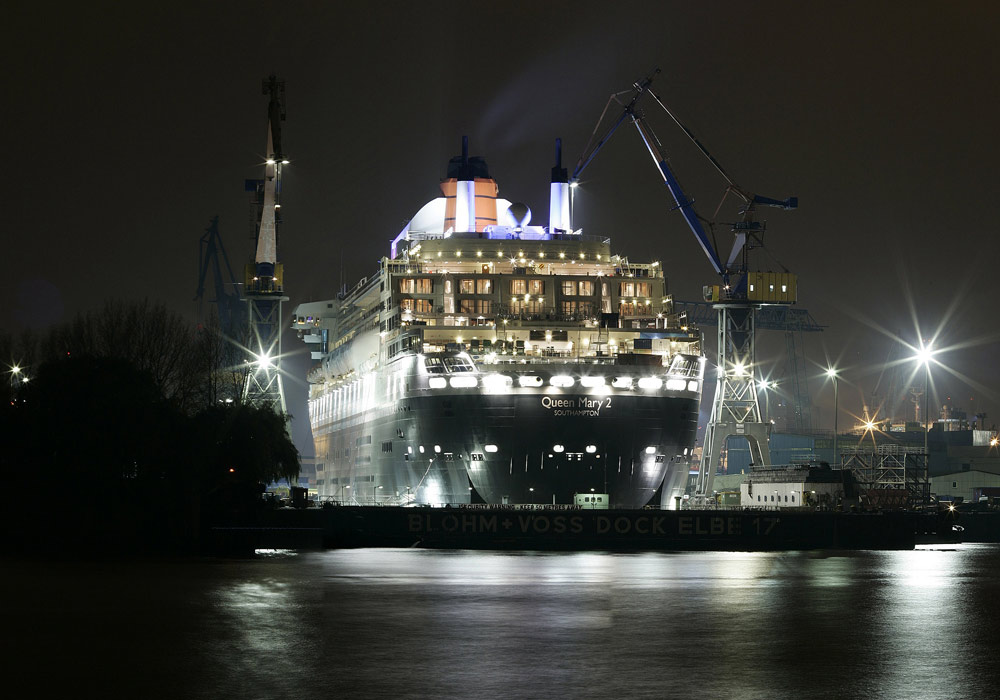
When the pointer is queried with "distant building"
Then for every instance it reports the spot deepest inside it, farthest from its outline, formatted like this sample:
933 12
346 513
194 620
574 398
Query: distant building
965 486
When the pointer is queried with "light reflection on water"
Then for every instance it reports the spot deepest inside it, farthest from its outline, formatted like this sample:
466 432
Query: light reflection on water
413 623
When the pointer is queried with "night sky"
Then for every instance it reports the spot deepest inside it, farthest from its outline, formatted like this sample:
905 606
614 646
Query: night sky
129 126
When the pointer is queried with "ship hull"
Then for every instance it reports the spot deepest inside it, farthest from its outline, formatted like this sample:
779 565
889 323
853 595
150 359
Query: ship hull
517 445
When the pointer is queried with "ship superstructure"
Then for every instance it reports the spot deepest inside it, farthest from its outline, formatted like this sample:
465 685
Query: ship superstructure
492 360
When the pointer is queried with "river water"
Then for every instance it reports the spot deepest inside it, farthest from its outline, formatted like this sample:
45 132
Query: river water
430 624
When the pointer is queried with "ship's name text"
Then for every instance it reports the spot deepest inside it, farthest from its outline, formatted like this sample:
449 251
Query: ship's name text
580 406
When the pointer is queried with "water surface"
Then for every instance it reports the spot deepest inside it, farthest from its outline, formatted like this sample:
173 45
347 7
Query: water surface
413 623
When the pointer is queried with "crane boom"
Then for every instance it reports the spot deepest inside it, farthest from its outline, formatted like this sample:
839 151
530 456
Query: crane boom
630 112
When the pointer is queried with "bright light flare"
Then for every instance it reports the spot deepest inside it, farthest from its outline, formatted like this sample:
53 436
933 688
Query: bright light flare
924 354
263 361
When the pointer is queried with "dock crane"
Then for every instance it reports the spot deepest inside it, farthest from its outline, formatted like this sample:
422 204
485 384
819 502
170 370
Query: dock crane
265 277
212 261
736 410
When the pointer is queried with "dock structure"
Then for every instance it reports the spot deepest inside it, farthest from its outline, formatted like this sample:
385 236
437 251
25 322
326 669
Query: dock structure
890 476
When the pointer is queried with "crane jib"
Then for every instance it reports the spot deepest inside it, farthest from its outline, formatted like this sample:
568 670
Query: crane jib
689 216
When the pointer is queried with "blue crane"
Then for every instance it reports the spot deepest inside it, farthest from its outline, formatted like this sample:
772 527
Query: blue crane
736 408
748 227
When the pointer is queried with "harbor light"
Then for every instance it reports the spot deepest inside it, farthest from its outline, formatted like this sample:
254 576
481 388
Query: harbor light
923 357
263 360
831 372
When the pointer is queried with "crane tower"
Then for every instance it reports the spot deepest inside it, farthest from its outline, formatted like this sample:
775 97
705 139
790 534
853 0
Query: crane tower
264 278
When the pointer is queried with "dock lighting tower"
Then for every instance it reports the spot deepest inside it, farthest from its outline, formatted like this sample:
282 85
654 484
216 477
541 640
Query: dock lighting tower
832 374
923 357
264 283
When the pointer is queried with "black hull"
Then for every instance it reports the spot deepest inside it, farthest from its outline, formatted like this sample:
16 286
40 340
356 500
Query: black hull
465 447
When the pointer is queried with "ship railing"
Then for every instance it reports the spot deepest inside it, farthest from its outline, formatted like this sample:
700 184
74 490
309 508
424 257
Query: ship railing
560 358
485 235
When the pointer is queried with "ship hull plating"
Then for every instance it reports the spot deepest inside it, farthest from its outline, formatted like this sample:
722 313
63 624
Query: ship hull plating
518 445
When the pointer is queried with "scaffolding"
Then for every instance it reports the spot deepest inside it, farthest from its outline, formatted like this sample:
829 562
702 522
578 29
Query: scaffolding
890 476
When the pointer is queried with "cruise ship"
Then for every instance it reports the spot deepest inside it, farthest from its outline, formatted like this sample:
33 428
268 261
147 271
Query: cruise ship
492 360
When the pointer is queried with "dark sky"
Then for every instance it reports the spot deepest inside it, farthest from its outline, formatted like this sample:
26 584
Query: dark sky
128 126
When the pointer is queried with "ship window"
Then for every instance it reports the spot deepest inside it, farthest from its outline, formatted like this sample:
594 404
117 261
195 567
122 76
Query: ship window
477 457
586 289
433 365
793 498
569 288
425 286
422 306
407 285
458 364
533 306
476 306
447 286
484 286
466 286
518 286
536 287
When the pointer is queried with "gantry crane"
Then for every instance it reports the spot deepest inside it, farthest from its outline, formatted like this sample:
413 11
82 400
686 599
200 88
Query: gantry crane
736 410
264 278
